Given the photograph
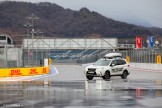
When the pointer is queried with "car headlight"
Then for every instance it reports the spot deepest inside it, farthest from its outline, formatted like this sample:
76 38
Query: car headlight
99 69
86 69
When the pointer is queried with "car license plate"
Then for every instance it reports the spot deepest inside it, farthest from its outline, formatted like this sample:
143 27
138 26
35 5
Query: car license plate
90 72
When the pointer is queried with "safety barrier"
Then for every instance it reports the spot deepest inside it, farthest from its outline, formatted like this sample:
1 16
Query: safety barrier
152 67
16 72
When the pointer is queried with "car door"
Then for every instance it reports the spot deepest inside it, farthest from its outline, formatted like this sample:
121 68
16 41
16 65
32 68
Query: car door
114 67
120 66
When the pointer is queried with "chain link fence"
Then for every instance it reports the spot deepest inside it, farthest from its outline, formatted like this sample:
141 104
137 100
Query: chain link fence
19 56
142 55
135 55
34 57
10 57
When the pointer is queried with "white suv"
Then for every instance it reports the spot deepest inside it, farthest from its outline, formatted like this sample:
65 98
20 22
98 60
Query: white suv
111 65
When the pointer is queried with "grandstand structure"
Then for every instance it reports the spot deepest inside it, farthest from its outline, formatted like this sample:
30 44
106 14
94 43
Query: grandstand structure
69 50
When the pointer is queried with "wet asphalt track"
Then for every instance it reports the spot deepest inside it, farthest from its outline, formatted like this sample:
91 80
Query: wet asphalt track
70 89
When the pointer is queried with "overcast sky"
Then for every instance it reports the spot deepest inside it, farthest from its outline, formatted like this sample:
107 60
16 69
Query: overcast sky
141 12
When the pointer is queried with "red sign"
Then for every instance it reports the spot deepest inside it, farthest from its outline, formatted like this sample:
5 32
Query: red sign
138 42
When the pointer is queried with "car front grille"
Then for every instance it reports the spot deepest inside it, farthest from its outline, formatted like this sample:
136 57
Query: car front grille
91 69
91 73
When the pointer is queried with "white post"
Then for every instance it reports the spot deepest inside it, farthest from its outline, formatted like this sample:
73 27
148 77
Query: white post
45 62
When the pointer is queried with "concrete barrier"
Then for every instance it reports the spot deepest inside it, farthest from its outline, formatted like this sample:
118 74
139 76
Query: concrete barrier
147 66
16 72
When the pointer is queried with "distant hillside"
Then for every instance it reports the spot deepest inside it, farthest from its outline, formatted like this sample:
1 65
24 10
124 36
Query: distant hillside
55 21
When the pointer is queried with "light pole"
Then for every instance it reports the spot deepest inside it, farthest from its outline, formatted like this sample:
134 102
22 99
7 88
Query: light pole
32 17
28 25
40 58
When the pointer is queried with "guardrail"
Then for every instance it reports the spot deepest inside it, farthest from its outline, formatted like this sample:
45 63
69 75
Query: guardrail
150 67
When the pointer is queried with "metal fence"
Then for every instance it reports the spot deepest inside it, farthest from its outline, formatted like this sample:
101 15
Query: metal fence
34 57
10 56
19 56
142 55
146 55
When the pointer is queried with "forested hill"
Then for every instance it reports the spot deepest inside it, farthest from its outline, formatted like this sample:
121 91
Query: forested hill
55 21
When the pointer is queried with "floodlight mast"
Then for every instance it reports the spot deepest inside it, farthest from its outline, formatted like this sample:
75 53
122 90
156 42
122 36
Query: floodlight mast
32 17
28 25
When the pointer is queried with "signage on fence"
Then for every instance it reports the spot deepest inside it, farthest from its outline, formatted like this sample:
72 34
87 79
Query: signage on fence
158 59
138 42
127 58
151 41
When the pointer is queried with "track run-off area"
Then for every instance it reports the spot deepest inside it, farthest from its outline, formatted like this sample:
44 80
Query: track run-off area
67 87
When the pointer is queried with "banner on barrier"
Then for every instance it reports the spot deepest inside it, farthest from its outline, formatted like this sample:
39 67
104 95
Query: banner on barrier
23 71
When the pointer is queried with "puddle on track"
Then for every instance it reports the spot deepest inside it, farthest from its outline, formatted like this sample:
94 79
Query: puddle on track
115 93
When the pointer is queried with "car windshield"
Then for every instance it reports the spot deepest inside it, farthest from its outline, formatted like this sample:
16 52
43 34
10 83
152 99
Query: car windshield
102 62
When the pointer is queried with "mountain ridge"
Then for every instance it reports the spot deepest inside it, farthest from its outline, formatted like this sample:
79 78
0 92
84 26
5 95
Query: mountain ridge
55 21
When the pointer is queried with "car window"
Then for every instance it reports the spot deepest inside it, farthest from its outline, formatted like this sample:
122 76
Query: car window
102 62
121 62
114 62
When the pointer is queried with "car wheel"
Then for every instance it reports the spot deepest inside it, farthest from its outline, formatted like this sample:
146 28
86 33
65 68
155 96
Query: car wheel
106 75
124 75
89 77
